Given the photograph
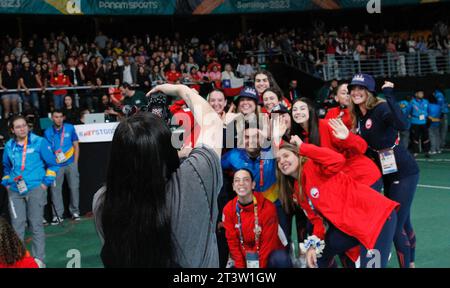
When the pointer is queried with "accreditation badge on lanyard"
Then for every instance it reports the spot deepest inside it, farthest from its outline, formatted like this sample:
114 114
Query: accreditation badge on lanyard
21 185
20 182
387 160
60 156
252 259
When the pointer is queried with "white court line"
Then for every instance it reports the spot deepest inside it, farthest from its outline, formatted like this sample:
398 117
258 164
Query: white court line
435 187
433 160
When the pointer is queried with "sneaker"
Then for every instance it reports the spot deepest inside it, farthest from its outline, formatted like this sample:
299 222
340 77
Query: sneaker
433 153
40 263
44 222
416 154
76 217
56 221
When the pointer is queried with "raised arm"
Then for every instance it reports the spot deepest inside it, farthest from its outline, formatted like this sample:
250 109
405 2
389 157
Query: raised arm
395 116
211 132
343 139
330 162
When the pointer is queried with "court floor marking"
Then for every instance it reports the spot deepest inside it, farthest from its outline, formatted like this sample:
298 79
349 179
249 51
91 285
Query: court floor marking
434 187
433 160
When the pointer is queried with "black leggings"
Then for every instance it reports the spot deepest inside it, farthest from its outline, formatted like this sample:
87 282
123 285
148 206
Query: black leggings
420 133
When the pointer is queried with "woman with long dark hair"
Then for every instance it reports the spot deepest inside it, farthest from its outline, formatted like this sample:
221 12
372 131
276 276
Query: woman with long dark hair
154 212
307 125
9 80
71 112
264 80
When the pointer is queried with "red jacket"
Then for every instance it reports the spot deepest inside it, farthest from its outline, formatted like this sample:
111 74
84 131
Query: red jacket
358 166
352 207
336 112
268 221
26 262
173 76
58 80
192 131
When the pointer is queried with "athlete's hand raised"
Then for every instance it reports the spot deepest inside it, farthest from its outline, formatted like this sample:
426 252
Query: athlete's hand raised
340 131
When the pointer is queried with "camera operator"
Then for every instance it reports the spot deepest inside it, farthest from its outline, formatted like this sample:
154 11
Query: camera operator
154 211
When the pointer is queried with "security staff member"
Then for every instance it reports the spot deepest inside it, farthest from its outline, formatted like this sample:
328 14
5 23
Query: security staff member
29 168
64 143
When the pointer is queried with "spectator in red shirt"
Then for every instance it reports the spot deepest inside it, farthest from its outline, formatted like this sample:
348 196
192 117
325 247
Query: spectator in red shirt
12 251
115 94
173 76
59 80
331 47
195 77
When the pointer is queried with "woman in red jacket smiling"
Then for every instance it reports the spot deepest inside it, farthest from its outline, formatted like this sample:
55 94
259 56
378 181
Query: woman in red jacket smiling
312 177
251 224
307 125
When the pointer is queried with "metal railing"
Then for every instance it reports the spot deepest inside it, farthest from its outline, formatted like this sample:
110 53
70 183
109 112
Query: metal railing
300 63
388 65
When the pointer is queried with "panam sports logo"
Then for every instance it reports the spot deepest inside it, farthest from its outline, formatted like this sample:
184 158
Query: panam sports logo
66 7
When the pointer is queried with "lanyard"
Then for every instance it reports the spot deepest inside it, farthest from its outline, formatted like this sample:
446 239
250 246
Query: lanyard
261 173
24 153
61 141
256 230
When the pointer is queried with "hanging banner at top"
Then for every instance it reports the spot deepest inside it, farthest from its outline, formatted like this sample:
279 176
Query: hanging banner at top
88 7
188 7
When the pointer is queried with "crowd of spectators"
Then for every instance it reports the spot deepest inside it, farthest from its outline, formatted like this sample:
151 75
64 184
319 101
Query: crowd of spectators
56 60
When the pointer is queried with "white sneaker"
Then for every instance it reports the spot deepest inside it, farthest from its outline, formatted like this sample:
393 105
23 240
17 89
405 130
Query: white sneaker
55 221
433 153
40 263
76 217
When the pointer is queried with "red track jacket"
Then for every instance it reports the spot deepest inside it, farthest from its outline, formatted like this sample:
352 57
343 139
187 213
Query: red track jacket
268 221
352 207
336 111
